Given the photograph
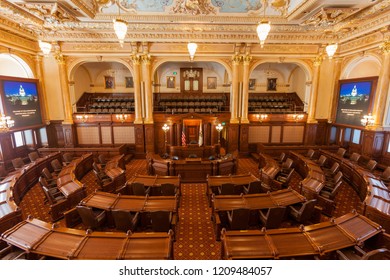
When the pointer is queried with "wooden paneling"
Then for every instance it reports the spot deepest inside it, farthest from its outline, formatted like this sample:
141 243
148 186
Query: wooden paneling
149 138
244 136
233 137
372 144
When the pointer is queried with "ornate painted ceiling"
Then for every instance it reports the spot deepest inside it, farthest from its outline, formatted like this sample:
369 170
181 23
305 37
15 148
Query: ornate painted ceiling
204 21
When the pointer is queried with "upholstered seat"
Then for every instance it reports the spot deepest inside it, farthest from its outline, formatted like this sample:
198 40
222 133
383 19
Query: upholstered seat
253 187
139 189
238 219
125 220
272 217
302 212
226 189
33 156
92 218
56 165
17 163
168 189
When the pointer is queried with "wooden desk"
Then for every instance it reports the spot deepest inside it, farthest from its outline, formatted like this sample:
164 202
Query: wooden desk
319 239
314 178
154 182
115 169
213 182
284 197
44 239
108 202
269 168
371 190
15 186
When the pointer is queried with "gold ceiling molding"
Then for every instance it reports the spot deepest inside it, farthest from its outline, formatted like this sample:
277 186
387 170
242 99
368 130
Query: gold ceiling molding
87 6
17 42
327 17
284 49
359 43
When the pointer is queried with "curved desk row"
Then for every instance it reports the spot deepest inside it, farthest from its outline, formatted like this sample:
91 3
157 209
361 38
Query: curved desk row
269 168
191 169
115 169
223 203
313 176
70 186
314 240
45 239
372 191
15 186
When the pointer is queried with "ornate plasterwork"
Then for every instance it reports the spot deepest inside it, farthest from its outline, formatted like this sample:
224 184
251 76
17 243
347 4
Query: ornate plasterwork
193 7
327 17
369 40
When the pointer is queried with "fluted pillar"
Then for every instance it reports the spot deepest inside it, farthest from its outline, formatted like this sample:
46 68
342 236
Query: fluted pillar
137 89
336 76
314 90
41 78
236 59
68 117
67 124
147 88
383 86
245 89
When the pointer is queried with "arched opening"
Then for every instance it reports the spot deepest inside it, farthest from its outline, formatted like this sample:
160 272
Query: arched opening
14 66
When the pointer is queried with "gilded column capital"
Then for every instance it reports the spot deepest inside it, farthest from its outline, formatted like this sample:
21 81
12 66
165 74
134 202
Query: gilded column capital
385 47
59 57
318 60
135 59
146 59
247 59
236 59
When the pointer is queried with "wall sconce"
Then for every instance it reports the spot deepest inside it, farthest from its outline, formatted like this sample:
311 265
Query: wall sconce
6 123
298 117
82 118
368 120
165 128
121 117
219 128
261 117
192 50
331 50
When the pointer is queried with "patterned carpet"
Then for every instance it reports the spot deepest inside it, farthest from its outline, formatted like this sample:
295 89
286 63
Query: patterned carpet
195 238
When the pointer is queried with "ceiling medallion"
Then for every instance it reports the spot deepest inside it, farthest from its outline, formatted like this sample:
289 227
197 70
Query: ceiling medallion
193 7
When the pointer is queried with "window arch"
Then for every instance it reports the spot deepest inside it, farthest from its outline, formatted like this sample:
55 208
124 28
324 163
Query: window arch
14 66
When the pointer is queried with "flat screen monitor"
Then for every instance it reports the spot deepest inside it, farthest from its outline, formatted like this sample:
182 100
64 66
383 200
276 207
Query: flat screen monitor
21 101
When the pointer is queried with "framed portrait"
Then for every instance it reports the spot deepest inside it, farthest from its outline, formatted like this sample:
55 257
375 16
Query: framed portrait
109 82
355 98
252 84
271 83
211 82
129 82
171 81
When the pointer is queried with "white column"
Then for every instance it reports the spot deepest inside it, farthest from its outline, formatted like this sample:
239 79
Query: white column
245 89
314 90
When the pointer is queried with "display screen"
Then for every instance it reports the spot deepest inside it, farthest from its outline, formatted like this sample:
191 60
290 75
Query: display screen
21 102
355 98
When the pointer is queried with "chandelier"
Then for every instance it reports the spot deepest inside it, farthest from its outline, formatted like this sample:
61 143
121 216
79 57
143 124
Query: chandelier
331 50
192 50
6 123
120 28
45 47
263 28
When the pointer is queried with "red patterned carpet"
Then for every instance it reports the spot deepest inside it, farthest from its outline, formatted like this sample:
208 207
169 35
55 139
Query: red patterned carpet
195 239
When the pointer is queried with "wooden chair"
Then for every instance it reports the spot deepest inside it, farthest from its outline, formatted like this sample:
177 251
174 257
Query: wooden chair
92 218
139 189
331 182
281 158
102 179
331 172
284 178
341 152
33 156
226 189
161 220
321 161
302 212
17 163
330 193
67 157
272 217
310 153
253 187
168 189
385 176
238 218
124 220
56 165
52 194
371 165
356 253
102 174
102 160
355 157
3 172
